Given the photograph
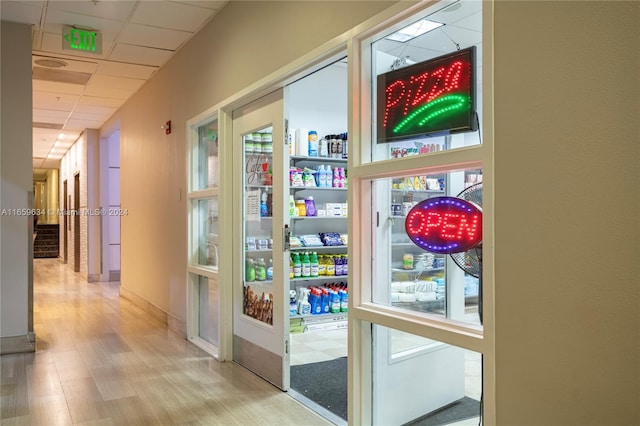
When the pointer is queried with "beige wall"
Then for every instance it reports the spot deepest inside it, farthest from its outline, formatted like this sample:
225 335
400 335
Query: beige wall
16 249
244 43
567 197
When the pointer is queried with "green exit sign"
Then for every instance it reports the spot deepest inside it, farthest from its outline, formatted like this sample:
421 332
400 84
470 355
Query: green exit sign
81 39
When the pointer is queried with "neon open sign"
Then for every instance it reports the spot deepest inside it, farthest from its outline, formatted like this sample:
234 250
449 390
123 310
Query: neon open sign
435 96
444 225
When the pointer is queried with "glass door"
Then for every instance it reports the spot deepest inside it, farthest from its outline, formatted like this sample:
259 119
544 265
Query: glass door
261 327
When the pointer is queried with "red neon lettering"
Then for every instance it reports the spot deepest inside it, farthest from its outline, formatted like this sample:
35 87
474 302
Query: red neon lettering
471 228
447 224
390 101
422 88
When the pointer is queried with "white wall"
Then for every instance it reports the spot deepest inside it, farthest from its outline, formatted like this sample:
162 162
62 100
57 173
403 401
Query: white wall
567 195
233 51
16 248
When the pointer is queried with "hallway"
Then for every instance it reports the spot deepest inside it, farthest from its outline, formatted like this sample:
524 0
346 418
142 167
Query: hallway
102 361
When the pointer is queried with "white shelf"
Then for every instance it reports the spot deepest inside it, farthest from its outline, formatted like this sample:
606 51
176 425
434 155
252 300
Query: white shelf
320 278
317 217
316 188
317 248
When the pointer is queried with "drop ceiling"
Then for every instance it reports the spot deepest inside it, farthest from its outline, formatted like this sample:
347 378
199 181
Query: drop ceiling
138 37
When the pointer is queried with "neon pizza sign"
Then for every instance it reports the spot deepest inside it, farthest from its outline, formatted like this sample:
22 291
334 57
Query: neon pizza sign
444 225
435 96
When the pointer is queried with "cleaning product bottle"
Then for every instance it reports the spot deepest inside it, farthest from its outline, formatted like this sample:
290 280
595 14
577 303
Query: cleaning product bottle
324 299
331 266
342 178
334 306
304 307
292 206
336 177
327 176
345 264
293 304
310 206
302 209
250 270
270 270
337 259
313 259
319 175
290 266
315 301
322 265
306 265
344 300
264 209
261 270
297 267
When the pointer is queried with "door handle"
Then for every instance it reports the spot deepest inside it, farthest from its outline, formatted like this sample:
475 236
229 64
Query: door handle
286 238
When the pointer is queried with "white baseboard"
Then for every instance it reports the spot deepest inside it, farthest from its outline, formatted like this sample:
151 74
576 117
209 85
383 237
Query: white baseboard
18 344
174 324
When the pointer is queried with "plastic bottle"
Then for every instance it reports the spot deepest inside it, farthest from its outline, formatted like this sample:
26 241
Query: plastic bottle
322 265
345 150
313 259
304 307
324 300
319 175
345 264
290 267
250 270
270 270
342 178
261 270
337 259
297 266
328 176
293 304
323 148
310 206
335 302
305 262
313 143
336 177
301 206
264 209
315 301
331 266
292 206
344 300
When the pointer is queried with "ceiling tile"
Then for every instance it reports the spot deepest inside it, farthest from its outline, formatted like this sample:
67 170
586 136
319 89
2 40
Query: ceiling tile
25 12
60 88
48 163
72 64
112 87
99 102
49 116
126 70
84 124
93 113
117 10
55 101
140 55
177 16
215 5
161 38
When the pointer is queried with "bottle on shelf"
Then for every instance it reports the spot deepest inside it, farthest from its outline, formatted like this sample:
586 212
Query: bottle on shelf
297 266
336 177
344 300
310 206
270 270
290 267
292 206
313 259
323 147
264 208
304 307
293 304
301 206
305 263
250 270
261 270
313 143
331 266
328 175
322 265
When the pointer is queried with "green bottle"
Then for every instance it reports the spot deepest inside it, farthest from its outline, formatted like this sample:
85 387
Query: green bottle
306 265
313 260
250 271
297 267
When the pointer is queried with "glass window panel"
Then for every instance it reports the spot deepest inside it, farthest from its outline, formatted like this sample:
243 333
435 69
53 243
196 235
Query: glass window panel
408 272
258 225
208 308
207 164
426 88
207 232
418 381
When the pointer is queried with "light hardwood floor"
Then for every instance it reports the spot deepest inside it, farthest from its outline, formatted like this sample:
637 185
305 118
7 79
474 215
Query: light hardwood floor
102 361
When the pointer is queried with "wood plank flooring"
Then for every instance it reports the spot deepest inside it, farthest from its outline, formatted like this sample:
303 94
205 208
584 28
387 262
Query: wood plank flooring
102 361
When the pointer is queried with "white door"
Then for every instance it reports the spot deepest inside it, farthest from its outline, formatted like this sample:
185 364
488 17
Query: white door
261 326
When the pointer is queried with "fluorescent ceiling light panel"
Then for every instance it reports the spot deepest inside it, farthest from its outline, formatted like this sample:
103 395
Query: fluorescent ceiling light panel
414 30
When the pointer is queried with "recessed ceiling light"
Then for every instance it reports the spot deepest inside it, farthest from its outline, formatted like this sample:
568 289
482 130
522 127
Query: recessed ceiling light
50 63
414 30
